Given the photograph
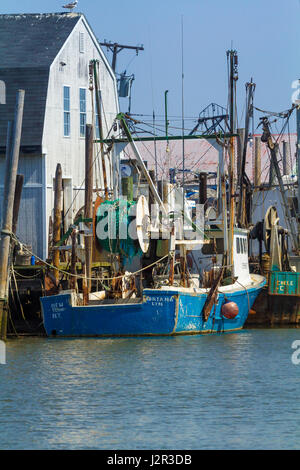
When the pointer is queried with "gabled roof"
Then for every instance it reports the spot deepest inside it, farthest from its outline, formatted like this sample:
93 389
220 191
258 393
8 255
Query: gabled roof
33 40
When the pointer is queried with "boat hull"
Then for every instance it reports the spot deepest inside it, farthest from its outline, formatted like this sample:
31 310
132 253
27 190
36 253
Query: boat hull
160 312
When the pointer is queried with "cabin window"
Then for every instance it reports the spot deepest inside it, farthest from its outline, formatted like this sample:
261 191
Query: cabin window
66 111
238 245
82 107
81 42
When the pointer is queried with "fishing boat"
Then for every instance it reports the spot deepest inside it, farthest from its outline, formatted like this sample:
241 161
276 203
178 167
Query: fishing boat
150 286
168 310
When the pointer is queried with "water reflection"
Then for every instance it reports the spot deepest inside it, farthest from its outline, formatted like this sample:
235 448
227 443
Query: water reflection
163 393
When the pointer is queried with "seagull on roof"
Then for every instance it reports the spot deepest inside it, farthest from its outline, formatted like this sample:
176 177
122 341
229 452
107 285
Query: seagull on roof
71 5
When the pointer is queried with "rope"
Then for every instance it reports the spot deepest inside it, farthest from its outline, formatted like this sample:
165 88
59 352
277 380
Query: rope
247 294
89 278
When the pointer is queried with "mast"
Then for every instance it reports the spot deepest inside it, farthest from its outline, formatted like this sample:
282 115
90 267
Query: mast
233 77
243 178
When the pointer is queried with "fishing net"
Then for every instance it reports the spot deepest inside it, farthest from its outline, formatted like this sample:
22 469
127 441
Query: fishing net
115 227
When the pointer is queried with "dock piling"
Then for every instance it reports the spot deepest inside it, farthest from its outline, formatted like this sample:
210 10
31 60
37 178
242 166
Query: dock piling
57 219
12 161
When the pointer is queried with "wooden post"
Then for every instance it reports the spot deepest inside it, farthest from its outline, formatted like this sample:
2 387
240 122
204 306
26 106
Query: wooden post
57 219
73 280
88 206
12 160
17 200
257 162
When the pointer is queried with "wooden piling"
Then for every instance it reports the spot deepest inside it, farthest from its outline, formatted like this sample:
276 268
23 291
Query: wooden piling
17 201
57 219
88 204
12 160
73 280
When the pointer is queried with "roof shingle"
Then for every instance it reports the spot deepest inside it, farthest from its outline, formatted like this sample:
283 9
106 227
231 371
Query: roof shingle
31 40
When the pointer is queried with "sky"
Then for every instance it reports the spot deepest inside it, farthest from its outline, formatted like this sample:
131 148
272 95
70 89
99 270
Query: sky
193 36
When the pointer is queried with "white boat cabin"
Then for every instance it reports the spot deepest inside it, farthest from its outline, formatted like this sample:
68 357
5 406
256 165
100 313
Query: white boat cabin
241 256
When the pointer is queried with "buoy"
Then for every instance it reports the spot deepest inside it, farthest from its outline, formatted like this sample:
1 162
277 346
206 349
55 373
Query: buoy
230 310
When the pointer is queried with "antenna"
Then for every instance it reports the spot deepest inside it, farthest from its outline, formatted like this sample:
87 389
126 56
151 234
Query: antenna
182 110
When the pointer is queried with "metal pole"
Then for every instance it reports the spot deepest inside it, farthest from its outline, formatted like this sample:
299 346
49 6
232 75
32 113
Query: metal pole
284 167
9 192
57 219
233 77
155 150
257 162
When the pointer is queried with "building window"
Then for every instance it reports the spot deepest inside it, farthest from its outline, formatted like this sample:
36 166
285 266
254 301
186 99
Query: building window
82 108
66 111
81 42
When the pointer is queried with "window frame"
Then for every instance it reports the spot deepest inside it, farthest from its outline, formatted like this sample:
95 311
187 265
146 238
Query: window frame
81 42
67 110
82 113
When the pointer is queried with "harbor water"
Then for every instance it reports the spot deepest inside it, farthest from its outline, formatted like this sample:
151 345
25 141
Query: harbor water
227 391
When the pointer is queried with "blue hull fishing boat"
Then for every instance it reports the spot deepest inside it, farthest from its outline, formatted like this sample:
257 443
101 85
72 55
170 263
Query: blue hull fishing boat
159 312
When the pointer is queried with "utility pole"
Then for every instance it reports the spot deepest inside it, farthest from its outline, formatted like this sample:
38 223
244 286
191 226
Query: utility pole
12 161
115 48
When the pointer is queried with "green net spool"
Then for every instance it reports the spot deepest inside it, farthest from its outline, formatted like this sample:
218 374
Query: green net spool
113 216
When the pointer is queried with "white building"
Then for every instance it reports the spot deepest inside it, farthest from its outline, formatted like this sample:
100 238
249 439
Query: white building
48 56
